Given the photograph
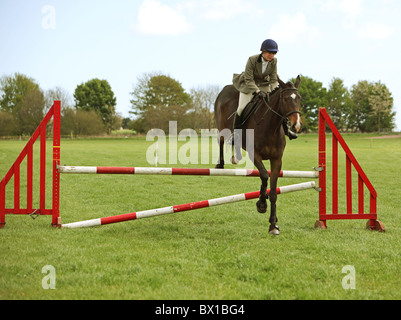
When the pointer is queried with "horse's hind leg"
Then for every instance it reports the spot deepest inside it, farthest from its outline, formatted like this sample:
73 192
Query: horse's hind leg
220 162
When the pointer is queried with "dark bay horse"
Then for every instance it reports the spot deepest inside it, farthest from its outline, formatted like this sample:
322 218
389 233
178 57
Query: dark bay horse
283 104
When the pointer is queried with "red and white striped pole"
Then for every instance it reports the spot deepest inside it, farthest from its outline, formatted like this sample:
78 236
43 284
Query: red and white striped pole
181 171
185 207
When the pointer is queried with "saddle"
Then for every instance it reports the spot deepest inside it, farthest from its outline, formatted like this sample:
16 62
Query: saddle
251 108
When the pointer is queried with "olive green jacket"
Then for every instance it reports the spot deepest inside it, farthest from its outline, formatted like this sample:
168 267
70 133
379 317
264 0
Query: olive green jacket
252 79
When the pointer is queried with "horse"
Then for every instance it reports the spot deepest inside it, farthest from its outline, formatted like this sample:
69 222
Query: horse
282 104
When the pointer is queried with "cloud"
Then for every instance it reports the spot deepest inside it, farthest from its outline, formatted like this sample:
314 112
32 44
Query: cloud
219 10
226 9
353 12
155 18
290 27
350 9
375 32
347 7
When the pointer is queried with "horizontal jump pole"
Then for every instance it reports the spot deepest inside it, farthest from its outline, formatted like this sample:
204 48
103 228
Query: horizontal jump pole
182 171
185 207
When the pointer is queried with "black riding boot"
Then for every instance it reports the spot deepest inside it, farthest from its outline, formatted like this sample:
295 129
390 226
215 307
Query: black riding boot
236 126
237 122
288 132
235 137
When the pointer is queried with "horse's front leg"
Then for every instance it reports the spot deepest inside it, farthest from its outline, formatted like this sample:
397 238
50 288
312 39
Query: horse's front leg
220 162
275 172
264 177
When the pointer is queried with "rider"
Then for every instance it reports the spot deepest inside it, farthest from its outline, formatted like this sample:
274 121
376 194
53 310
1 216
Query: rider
260 78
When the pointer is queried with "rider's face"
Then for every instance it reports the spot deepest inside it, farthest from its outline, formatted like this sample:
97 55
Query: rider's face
269 56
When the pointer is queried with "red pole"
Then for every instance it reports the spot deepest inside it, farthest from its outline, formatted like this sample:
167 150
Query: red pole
29 178
56 163
322 165
184 207
361 205
2 203
42 194
16 187
335 175
349 184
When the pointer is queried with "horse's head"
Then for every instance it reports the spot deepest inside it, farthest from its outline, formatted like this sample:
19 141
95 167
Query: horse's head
290 104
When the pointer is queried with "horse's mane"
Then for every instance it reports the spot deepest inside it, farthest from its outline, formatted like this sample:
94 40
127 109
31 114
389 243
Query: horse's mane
274 91
278 88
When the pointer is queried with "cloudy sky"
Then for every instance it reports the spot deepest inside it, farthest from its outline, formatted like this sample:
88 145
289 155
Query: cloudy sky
199 42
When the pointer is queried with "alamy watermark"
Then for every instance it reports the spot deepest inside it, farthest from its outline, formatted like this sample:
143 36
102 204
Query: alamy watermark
49 280
349 281
169 152
49 17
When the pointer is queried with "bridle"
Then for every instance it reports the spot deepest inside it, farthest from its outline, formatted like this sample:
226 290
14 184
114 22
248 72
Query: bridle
285 117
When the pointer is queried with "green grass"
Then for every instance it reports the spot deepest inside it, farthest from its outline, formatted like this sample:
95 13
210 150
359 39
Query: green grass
222 252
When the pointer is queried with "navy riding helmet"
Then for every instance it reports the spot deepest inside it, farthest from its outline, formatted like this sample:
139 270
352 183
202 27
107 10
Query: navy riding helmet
269 45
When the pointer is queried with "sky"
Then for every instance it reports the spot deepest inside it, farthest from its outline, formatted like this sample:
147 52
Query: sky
64 43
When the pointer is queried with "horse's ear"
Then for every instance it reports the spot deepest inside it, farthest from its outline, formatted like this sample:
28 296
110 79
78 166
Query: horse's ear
282 84
297 82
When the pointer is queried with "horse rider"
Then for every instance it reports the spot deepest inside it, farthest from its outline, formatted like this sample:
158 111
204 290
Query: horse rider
260 78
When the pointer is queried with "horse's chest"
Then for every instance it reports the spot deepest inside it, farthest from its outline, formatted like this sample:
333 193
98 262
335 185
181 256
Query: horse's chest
271 152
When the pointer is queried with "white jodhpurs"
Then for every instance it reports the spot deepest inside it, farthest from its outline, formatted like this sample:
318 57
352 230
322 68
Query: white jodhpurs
244 99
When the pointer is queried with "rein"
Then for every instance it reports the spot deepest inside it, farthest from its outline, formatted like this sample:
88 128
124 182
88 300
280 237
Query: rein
269 108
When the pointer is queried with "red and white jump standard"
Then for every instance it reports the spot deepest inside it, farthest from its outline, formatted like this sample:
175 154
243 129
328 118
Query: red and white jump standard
26 155
363 181
185 207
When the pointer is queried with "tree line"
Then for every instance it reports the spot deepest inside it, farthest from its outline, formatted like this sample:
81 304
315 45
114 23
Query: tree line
365 107
157 99
23 105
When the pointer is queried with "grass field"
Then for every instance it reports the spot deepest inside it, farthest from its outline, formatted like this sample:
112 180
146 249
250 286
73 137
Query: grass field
224 252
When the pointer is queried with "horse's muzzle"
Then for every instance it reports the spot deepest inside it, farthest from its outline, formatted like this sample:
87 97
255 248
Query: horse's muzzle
295 124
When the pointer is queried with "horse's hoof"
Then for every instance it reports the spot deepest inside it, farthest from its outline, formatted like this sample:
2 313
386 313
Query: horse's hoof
219 166
262 207
234 160
274 230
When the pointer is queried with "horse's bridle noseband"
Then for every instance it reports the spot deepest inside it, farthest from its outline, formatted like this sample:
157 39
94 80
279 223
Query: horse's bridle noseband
285 118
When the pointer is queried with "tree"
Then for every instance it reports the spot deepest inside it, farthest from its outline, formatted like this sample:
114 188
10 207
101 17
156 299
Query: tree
13 90
88 123
202 116
60 94
125 123
30 112
381 101
97 95
22 97
338 104
68 122
158 99
314 96
81 123
360 108
372 106
7 124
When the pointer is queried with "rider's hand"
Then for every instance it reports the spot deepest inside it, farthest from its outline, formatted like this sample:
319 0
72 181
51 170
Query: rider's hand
262 94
